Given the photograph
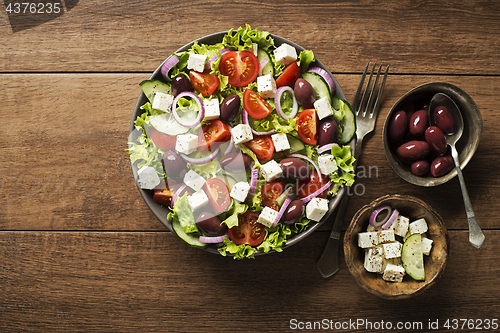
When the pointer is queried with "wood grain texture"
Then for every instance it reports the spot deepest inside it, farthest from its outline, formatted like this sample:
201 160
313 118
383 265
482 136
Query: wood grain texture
117 36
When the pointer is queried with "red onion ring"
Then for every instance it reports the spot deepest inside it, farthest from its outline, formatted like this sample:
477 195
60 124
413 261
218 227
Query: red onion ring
244 120
318 192
391 219
277 102
325 76
214 57
177 194
308 160
262 64
201 112
212 240
327 147
376 212
281 211
168 64
253 181
203 160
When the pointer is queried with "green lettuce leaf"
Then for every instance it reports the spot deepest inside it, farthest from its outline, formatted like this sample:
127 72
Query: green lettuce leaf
243 38
305 59
183 212
345 173
239 251
236 209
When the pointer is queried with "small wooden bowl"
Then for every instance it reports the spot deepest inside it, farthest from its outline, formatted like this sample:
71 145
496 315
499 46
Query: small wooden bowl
434 264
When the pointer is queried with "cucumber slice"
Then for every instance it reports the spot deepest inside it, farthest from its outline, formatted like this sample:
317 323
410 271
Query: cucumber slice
348 122
295 144
188 239
151 87
165 123
413 258
268 68
319 85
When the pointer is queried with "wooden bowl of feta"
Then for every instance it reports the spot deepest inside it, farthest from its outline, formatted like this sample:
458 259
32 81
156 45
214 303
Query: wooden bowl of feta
396 246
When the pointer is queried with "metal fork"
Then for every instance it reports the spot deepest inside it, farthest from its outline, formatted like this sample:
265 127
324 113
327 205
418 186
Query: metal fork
366 110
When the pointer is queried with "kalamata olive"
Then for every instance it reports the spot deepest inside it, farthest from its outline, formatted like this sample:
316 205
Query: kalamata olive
293 212
210 224
294 168
235 162
229 108
441 165
436 139
413 150
423 106
419 121
304 93
420 168
180 83
398 126
444 120
328 132
174 165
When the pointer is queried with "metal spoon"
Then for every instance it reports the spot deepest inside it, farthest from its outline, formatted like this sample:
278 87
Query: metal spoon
476 236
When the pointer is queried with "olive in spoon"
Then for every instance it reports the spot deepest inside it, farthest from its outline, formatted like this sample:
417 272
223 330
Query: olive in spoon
445 114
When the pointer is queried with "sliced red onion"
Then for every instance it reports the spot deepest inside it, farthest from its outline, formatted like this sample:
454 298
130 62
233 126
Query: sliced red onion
177 194
282 211
168 64
277 102
253 180
308 160
262 64
318 192
214 57
327 147
325 76
201 112
391 219
212 240
244 120
231 142
373 218
203 160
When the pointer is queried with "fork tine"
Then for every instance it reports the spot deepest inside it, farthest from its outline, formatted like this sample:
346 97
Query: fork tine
369 104
363 99
377 101
360 86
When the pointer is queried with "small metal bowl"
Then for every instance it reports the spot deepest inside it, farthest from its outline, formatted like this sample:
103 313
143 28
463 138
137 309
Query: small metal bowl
466 146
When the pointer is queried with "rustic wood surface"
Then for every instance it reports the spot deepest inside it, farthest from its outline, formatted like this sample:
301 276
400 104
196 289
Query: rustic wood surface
81 252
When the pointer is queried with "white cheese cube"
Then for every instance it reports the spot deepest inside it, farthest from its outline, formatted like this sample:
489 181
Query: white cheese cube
197 200
426 245
327 164
194 180
267 216
393 273
392 250
271 170
374 259
196 62
418 227
386 236
401 225
148 178
367 239
285 54
266 85
241 133
162 102
394 261
323 107
280 141
316 209
186 143
212 108
239 191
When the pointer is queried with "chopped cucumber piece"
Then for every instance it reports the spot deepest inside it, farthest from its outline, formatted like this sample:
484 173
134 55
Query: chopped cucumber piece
412 257
188 239
268 68
295 143
151 87
319 85
347 124
165 123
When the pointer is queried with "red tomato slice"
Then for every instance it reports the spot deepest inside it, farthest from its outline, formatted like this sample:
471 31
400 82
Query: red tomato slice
255 105
162 141
204 83
308 126
262 146
289 75
248 231
212 134
271 192
164 192
241 67
218 195
311 185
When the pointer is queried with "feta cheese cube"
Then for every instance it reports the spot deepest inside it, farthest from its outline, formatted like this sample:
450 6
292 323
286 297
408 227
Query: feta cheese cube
196 62
426 245
316 209
367 239
386 236
239 191
194 180
197 200
266 85
267 216
241 133
393 273
212 109
280 141
271 170
285 54
418 227
327 164
186 143
162 102
374 259
394 261
401 225
148 178
323 107
392 250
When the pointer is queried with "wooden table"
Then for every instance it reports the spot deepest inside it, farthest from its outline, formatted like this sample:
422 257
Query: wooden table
81 252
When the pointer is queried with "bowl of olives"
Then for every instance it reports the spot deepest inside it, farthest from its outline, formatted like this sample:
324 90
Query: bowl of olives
416 149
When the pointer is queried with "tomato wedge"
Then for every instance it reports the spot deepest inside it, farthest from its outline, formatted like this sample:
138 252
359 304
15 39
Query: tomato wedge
262 146
204 83
164 192
289 75
311 185
162 141
255 105
308 126
271 192
241 67
212 134
248 231
218 195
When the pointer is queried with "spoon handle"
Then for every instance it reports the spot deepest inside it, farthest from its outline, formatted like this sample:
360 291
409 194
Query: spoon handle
476 236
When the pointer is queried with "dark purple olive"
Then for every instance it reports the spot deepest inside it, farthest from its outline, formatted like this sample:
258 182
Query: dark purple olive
174 165
328 132
413 150
304 93
293 212
210 224
436 139
420 168
409 108
419 121
180 83
294 168
398 126
235 162
229 108
442 165
444 120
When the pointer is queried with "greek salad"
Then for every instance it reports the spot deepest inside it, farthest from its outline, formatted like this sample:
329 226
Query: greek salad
244 141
